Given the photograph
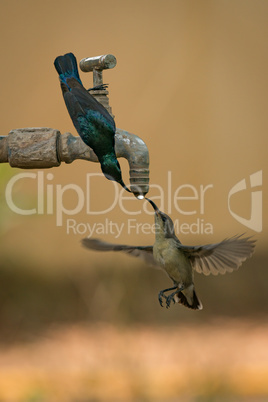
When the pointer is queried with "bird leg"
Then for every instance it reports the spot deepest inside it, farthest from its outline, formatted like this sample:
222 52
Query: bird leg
171 296
161 295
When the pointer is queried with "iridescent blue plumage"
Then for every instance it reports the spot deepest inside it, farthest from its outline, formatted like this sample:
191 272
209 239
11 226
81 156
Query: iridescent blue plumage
92 121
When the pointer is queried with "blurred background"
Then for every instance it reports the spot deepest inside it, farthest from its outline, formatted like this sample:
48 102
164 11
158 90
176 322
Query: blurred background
191 81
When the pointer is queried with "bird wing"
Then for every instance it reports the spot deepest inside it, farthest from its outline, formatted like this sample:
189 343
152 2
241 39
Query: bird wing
88 115
220 258
144 252
87 101
73 106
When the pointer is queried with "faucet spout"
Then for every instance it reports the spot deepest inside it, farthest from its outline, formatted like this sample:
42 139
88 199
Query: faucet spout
134 149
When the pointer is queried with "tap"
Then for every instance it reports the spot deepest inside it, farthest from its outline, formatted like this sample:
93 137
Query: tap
43 147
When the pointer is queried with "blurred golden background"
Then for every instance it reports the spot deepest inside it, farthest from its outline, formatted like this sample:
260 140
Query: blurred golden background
191 81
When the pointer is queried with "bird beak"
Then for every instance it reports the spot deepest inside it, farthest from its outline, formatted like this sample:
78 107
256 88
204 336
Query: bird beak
127 189
156 209
124 186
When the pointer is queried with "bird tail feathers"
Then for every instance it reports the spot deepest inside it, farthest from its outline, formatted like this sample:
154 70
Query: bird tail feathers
188 298
66 67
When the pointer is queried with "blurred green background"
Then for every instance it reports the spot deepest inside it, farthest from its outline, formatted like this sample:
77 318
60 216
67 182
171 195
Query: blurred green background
191 81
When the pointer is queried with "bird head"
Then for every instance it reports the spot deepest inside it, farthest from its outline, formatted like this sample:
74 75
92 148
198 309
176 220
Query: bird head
164 226
112 171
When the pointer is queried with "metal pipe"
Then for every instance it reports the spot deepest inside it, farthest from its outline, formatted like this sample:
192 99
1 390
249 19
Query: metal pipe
43 147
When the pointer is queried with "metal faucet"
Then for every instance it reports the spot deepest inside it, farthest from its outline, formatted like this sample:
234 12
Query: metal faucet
43 147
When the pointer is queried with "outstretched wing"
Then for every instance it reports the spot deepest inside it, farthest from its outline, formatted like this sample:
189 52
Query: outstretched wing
146 252
222 257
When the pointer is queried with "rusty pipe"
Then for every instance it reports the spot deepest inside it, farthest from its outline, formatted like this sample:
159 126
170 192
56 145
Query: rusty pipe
43 147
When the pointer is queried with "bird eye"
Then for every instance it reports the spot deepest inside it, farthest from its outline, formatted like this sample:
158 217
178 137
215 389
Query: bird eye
164 218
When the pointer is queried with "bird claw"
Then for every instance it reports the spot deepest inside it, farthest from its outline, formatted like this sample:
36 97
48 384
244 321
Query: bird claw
99 87
160 296
169 299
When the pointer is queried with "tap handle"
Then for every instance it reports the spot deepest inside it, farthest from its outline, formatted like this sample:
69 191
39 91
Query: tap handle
103 62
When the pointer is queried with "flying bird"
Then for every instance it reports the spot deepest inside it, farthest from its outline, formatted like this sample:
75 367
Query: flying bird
92 121
180 261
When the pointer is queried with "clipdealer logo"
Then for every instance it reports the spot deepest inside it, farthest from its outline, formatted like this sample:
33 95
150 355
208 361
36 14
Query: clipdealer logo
51 198
255 220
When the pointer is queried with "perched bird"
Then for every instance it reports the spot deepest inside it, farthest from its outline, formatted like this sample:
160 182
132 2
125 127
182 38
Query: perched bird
92 121
180 261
